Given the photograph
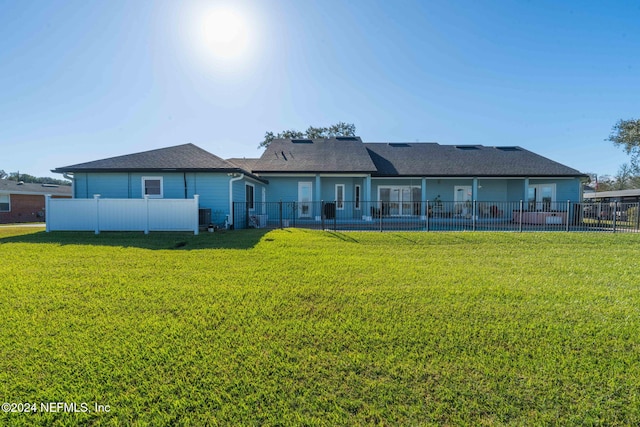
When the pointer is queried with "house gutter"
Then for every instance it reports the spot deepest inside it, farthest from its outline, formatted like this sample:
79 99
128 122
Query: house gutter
184 177
231 181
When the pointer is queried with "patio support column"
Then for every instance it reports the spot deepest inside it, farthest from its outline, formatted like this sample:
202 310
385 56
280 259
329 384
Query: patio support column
474 189
367 198
525 196
423 199
474 198
317 196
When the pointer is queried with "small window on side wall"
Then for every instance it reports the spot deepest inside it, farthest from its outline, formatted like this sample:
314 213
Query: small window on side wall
250 196
152 186
340 196
5 203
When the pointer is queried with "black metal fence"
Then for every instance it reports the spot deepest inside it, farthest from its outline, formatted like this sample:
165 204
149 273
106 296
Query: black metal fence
440 216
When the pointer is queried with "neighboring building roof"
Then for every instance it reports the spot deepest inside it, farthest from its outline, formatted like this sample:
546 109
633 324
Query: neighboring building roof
14 187
244 163
616 194
335 155
180 158
432 159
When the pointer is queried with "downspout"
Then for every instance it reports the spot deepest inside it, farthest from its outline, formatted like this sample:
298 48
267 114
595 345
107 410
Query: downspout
184 177
231 181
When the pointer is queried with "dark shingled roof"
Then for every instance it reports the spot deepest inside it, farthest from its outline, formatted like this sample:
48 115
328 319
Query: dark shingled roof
343 156
317 156
432 159
180 158
186 157
244 163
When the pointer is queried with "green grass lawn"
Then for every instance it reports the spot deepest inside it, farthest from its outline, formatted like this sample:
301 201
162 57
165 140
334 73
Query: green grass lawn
297 327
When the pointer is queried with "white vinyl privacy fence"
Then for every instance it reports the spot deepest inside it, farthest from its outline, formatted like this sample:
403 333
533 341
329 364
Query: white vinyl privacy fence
122 214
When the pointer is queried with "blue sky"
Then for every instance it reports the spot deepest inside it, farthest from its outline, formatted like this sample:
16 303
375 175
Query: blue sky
82 81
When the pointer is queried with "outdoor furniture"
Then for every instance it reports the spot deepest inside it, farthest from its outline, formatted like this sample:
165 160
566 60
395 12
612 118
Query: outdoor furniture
541 217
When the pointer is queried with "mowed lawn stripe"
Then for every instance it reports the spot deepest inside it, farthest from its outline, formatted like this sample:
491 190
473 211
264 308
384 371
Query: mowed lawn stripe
298 327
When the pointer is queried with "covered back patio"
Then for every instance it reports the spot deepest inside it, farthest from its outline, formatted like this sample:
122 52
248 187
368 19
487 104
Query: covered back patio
441 216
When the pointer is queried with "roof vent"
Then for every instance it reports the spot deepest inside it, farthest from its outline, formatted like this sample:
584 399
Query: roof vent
302 141
398 144
346 138
467 147
508 148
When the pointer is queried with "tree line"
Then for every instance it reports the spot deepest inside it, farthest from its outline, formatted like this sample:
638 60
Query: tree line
624 134
338 129
30 179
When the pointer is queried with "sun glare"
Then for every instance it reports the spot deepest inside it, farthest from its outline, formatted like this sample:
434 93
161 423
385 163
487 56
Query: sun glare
223 34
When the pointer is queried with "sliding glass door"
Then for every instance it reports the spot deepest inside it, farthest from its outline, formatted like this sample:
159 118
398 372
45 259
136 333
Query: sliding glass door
541 197
399 200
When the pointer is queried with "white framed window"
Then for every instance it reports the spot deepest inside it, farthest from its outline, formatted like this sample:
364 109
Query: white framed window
152 187
340 196
250 193
5 203
356 198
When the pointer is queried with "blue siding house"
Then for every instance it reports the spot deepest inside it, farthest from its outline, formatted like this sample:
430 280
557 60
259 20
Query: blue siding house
400 178
178 172
361 180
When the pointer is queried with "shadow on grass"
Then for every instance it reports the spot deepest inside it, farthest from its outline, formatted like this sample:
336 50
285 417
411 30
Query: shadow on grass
237 239
342 236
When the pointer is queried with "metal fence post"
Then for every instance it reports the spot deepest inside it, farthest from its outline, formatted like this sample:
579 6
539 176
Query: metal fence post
427 214
231 220
520 216
294 209
474 214
568 209
637 215
246 215
615 215
280 212
335 215
322 216
380 214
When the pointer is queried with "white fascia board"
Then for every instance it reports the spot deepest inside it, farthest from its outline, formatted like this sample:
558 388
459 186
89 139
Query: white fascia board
257 181
343 175
432 178
286 175
307 175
